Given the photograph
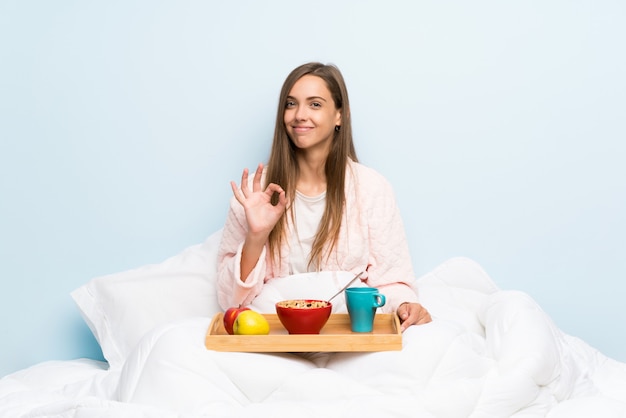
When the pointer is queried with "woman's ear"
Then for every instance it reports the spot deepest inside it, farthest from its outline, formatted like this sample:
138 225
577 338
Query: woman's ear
338 120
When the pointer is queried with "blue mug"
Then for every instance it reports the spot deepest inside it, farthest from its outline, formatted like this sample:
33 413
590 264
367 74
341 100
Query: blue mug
362 303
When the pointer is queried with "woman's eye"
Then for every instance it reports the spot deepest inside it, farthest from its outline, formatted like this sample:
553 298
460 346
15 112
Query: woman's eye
316 104
290 104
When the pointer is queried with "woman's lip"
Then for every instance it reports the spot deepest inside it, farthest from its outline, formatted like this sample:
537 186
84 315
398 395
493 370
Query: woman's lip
302 128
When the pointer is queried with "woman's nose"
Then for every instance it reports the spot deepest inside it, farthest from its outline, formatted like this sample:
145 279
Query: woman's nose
301 113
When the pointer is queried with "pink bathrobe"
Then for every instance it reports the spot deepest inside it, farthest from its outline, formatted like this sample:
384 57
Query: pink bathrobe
372 233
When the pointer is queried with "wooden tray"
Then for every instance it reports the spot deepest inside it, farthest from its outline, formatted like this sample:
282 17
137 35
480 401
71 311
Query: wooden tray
335 336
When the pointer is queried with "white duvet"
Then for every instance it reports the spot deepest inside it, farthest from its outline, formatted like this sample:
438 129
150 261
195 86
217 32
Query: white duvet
487 353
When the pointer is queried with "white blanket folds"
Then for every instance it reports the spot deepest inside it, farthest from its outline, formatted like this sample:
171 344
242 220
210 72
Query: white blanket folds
487 353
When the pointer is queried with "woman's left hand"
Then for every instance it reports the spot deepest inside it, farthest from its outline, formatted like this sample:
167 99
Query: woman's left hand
412 314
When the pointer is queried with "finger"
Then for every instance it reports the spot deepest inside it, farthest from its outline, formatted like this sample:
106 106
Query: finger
256 182
405 325
404 312
244 183
415 314
275 188
237 192
282 198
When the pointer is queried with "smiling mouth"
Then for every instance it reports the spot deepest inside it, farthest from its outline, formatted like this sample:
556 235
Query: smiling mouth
302 128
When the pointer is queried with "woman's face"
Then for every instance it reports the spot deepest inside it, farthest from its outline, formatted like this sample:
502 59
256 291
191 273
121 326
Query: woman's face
310 114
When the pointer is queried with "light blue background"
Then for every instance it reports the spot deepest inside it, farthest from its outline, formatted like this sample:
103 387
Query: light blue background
500 123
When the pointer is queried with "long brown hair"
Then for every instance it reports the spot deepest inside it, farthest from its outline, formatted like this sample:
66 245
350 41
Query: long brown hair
282 168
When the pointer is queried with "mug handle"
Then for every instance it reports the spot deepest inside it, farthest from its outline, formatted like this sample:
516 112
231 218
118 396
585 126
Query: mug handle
379 300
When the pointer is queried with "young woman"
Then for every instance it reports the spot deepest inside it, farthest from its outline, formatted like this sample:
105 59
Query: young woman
314 207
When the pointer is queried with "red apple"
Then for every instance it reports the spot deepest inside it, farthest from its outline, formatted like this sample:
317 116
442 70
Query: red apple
230 315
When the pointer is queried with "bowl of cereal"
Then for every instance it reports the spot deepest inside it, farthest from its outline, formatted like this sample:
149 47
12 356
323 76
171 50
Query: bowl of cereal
303 316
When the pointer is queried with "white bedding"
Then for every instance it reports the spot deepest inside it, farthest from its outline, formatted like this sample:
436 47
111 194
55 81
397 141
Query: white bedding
487 353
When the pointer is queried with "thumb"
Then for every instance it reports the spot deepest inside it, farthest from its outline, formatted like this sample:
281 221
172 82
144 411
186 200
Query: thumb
403 311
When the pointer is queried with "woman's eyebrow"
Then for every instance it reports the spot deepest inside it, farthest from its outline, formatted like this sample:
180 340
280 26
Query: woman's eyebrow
308 98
